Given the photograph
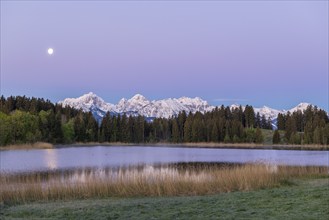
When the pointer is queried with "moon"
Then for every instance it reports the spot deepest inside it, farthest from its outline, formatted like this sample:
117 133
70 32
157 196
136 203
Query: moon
50 51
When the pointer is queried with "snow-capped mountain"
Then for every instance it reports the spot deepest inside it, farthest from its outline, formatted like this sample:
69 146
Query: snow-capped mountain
138 105
300 107
90 102
165 108
268 112
273 113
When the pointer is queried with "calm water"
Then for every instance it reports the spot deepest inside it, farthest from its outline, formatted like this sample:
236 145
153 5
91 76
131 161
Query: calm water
118 156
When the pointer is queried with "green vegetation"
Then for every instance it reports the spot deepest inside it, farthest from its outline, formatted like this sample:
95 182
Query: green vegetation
276 137
24 120
302 199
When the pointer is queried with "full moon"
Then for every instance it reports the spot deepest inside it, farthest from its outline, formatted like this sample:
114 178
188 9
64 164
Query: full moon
50 51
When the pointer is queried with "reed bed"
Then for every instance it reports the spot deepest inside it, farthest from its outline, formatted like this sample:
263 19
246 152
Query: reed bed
257 146
37 145
147 181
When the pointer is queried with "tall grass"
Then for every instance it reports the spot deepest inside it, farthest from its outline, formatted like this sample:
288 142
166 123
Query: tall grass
36 145
147 181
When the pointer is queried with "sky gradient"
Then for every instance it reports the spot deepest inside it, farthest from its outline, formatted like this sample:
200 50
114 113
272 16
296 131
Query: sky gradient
272 53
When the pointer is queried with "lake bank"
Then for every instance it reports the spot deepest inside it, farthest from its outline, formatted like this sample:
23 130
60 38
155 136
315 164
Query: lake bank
303 199
27 146
206 145
43 145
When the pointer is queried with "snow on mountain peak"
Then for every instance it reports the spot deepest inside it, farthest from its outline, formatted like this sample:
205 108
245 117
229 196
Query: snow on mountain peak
300 107
234 106
138 97
91 97
267 112
88 102
139 105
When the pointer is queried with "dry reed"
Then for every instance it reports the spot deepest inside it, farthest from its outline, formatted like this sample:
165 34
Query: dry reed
257 146
147 181
37 145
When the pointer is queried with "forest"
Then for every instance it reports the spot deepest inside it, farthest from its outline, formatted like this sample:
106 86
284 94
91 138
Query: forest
29 120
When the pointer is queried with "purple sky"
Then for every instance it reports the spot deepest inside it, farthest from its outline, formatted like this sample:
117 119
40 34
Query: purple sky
272 53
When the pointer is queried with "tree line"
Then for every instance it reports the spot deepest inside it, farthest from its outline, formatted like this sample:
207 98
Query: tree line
28 120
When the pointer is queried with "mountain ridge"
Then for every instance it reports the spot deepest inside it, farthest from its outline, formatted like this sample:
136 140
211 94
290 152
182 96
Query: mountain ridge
163 108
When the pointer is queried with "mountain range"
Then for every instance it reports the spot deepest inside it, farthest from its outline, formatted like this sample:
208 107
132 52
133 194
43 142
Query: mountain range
139 105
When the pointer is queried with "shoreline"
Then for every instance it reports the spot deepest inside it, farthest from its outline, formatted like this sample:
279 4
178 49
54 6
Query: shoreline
28 146
43 145
204 145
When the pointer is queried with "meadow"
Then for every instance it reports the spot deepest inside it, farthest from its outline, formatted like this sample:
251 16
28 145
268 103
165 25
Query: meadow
300 199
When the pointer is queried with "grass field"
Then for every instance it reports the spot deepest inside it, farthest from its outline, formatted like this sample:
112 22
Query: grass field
302 199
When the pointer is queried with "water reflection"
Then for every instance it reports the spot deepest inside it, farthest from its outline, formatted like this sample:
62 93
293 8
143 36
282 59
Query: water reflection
51 159
100 157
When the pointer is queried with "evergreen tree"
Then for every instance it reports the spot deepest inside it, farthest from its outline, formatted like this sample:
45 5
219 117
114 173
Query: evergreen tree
276 137
175 132
317 136
181 121
105 128
114 129
198 129
259 120
188 129
68 132
79 128
290 127
263 123
58 133
139 129
91 128
227 138
281 122
124 129
259 138
131 125
269 124
249 116
214 133
295 138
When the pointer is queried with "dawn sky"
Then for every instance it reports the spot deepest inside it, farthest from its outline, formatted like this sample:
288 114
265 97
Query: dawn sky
272 53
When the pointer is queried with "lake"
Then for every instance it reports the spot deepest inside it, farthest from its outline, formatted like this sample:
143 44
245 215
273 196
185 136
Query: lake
13 161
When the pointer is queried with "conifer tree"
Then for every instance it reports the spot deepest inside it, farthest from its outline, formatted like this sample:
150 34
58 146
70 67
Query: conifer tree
188 129
181 121
214 133
290 127
276 137
175 132
281 122
249 116
259 138
259 120
91 128
58 133
317 136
